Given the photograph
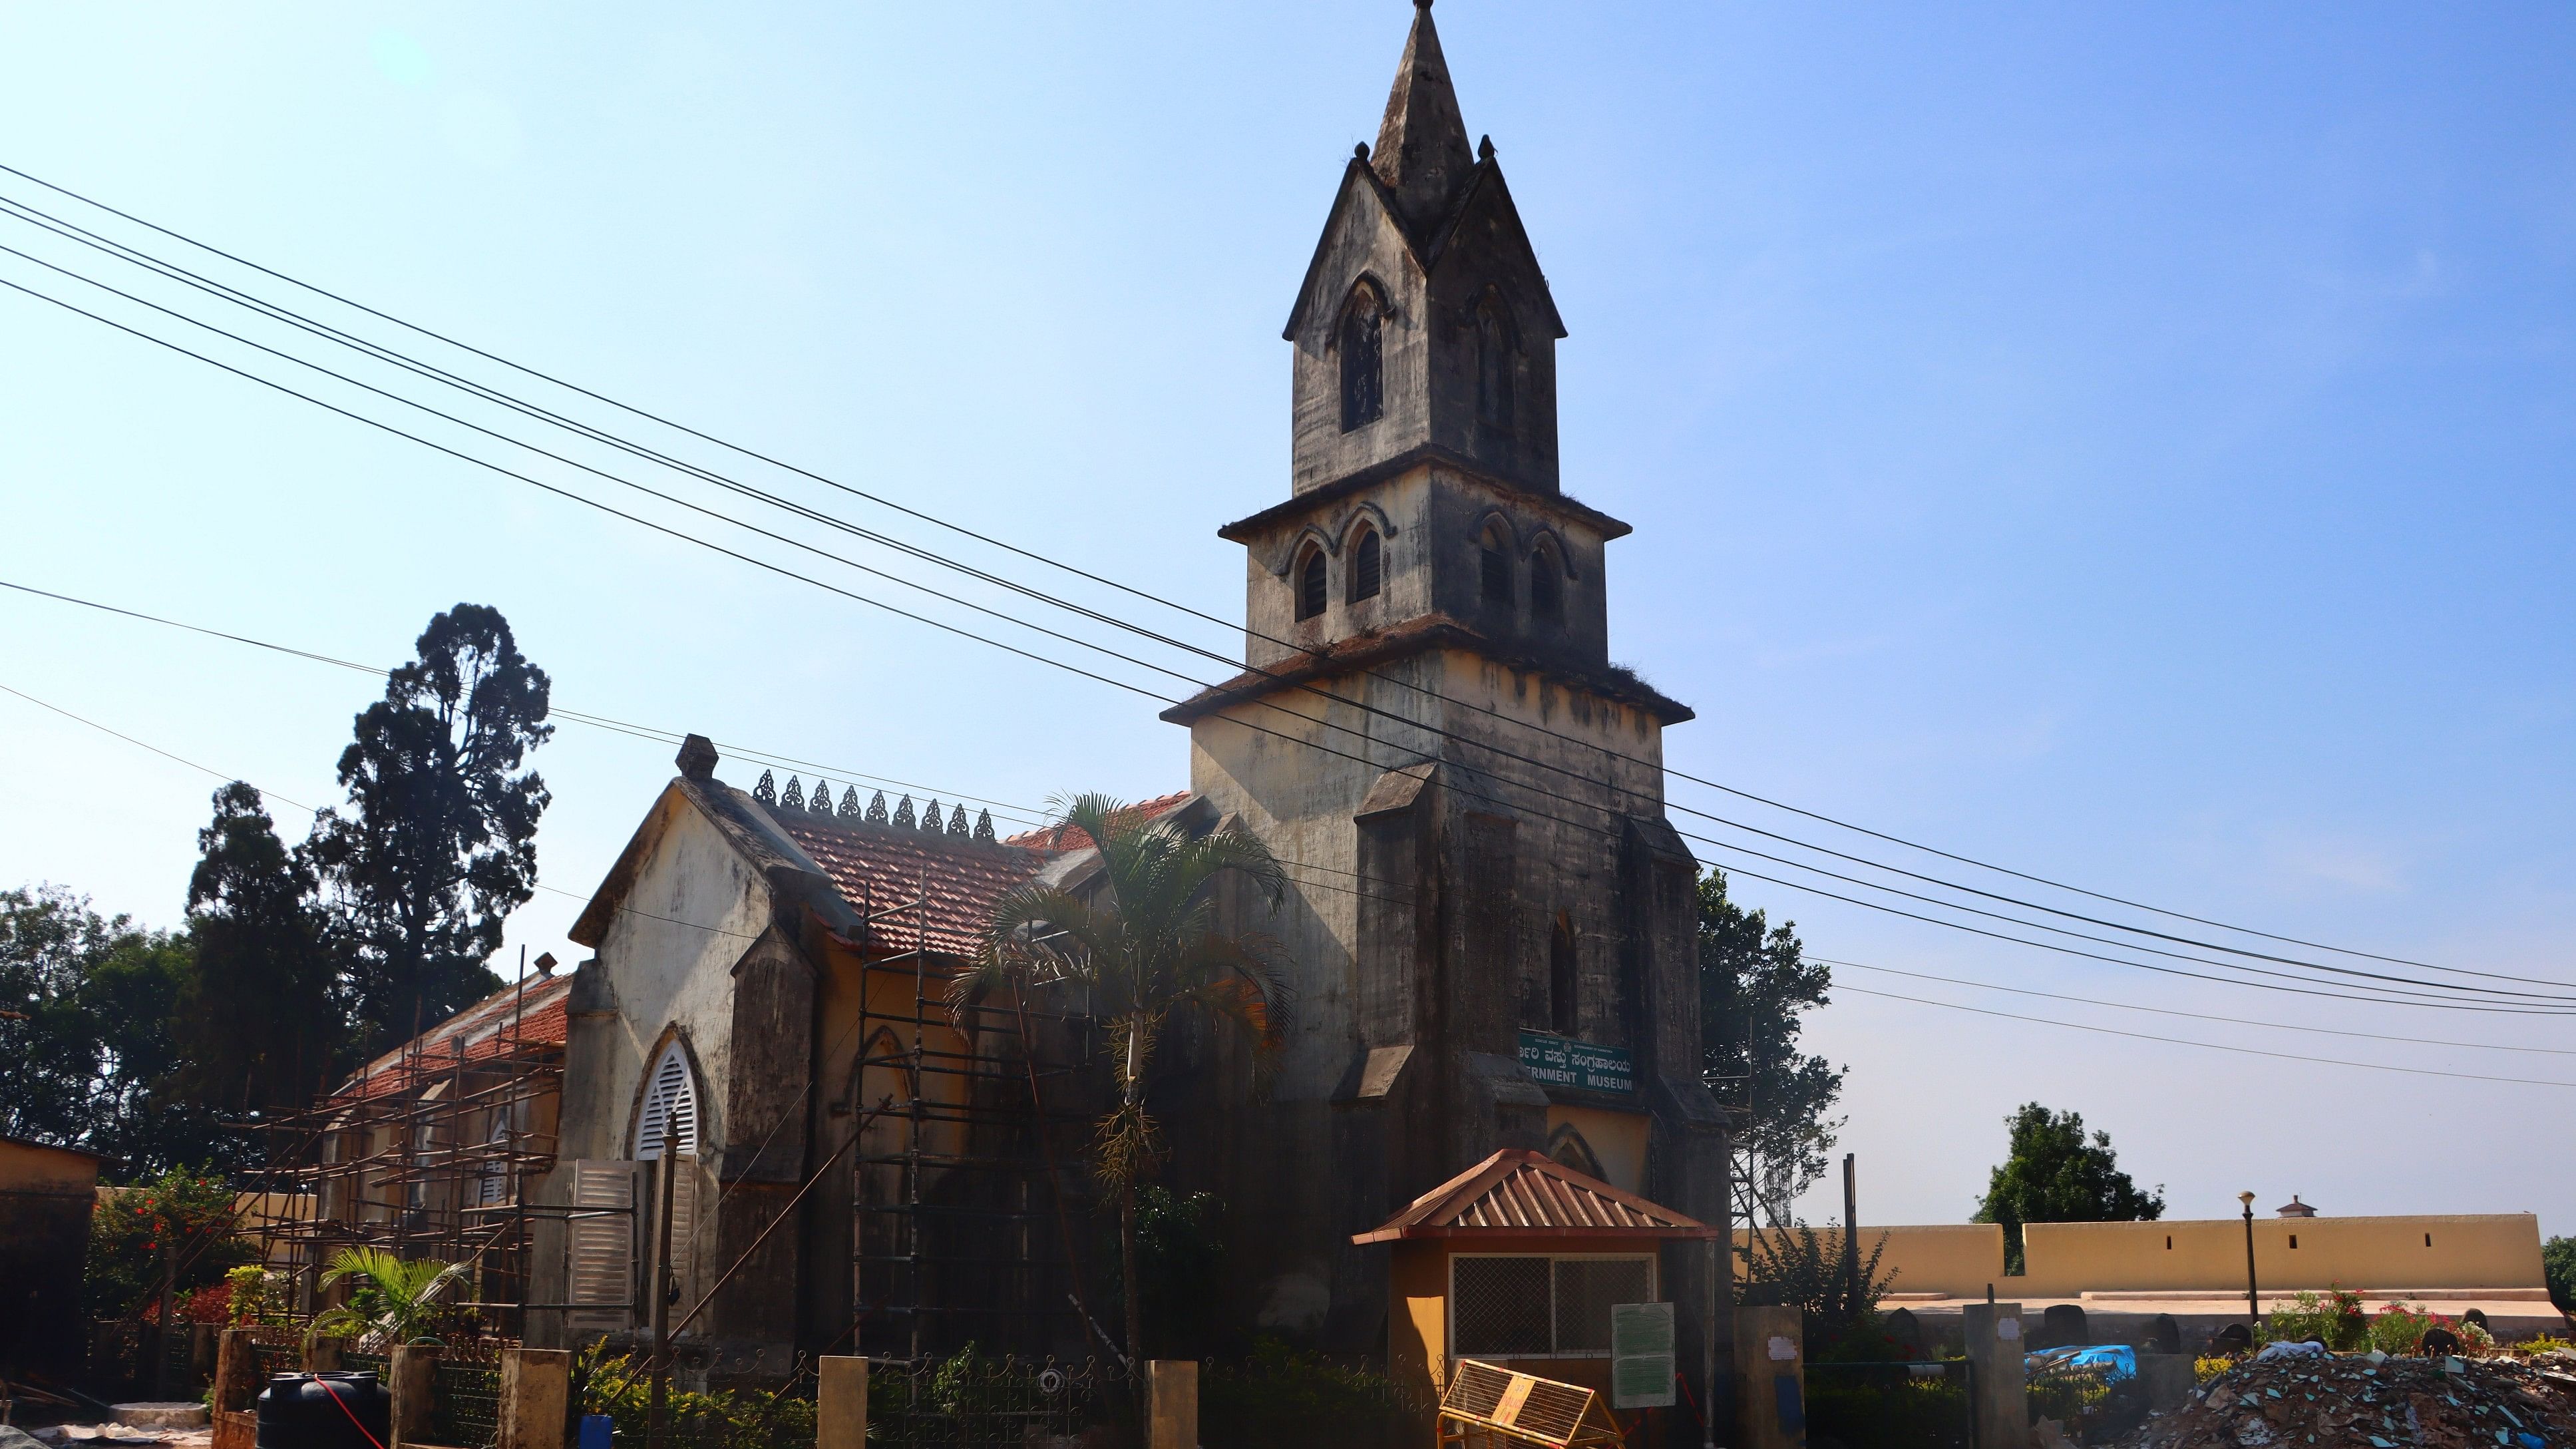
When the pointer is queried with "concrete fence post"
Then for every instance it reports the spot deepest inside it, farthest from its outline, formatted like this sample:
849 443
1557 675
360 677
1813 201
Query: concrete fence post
841 1403
1770 1379
1993 1333
534 1385
236 1370
1172 1393
414 1371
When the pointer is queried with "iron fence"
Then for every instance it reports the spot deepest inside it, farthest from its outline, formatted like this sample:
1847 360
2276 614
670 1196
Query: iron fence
969 1401
1914 1405
465 1396
2092 1403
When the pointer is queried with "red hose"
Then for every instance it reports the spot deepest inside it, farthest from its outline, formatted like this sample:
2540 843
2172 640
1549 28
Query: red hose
334 1395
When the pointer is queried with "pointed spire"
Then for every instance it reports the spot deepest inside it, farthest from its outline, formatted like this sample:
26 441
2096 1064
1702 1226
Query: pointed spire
766 792
957 823
876 808
794 799
984 827
903 813
1421 149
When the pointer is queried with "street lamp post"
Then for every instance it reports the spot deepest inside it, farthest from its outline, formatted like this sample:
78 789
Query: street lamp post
2253 1307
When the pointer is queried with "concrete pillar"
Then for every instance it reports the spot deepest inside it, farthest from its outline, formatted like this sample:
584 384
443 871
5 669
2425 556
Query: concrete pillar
237 1382
2002 1400
414 1371
841 1403
1172 1412
1770 1379
534 1383
322 1355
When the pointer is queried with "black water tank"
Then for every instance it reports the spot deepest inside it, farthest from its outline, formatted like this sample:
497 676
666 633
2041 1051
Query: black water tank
297 1411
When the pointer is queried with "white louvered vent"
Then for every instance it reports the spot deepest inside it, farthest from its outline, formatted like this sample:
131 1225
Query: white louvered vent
670 1108
599 1249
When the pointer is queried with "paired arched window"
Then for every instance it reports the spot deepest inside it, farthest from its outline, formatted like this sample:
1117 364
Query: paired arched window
1547 586
1362 343
670 1115
1368 565
1496 565
1310 584
1497 350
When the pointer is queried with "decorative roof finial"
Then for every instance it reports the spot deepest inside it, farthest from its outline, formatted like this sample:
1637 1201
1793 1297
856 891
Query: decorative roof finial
1484 148
876 809
697 759
850 803
930 818
984 827
794 799
903 813
766 792
957 823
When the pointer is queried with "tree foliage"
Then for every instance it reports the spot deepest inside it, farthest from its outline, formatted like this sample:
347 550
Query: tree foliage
1143 938
439 844
2052 1174
179 1225
89 1065
2558 1265
1755 985
261 1018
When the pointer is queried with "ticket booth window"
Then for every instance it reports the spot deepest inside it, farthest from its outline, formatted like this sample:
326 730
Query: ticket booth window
1537 1305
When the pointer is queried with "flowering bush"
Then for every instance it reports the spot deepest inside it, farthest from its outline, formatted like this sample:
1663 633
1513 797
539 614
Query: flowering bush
2335 1320
180 1225
2400 1329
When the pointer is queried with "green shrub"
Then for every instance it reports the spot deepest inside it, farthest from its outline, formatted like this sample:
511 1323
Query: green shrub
2335 1320
1279 1398
2399 1329
2558 1269
615 1385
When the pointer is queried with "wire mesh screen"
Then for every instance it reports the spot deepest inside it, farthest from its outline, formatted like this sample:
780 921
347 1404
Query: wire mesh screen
968 1401
1500 1306
1585 1290
465 1399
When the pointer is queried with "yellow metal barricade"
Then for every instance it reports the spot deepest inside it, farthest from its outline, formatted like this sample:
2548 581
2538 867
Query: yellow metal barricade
1488 1402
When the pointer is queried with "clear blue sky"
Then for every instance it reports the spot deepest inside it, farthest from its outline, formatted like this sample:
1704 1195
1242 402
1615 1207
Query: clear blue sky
2130 445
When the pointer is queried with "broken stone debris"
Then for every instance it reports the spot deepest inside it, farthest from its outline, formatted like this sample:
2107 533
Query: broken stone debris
2398 1403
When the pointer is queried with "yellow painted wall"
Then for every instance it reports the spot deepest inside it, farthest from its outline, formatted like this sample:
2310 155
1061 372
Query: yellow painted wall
1954 1259
2067 1260
27 1167
2500 1250
1617 1140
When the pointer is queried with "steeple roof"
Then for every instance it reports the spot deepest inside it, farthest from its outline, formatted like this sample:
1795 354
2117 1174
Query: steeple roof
1422 153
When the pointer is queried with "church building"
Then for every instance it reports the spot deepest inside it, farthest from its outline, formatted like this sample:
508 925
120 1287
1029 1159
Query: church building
1489 929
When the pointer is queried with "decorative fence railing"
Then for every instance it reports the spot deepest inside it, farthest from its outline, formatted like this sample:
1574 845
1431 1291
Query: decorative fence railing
1917 1405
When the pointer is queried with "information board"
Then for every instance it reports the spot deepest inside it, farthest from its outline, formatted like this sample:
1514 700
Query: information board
1559 1061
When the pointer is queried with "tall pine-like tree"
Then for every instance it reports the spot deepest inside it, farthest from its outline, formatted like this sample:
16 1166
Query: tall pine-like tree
1755 984
439 843
262 1020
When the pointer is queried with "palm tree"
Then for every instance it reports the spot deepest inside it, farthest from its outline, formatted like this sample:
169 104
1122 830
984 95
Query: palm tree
1143 939
391 1302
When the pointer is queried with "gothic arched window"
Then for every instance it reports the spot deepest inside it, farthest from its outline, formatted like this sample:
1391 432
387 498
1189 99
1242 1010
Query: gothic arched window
1310 584
1496 565
1547 586
1561 978
1363 348
1368 565
1496 352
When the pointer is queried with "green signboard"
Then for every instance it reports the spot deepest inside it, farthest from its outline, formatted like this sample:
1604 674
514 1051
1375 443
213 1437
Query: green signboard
1559 1061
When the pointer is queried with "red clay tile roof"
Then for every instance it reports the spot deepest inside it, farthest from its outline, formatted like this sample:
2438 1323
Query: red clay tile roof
880 868
1520 1193
1061 838
505 1023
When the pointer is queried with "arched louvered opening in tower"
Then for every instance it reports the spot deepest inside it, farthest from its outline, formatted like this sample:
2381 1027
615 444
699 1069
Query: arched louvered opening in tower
1310 584
1547 585
1497 360
1361 341
1495 565
1368 565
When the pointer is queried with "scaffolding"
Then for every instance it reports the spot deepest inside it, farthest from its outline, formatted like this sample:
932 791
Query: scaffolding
429 1155
967 1190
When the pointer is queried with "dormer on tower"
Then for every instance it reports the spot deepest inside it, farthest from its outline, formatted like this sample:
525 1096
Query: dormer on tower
1424 330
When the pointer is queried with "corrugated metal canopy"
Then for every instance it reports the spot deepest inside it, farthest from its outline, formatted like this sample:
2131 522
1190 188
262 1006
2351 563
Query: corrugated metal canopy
1519 1193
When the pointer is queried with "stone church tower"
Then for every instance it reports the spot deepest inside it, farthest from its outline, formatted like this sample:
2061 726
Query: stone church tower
1492 923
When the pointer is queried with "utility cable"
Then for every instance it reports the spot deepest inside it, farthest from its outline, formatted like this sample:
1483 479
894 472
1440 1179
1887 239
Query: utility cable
1086 574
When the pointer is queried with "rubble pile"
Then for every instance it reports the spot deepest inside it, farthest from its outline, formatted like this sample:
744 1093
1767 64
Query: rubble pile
2383 1403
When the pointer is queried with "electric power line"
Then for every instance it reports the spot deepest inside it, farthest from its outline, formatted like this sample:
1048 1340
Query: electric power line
1066 567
